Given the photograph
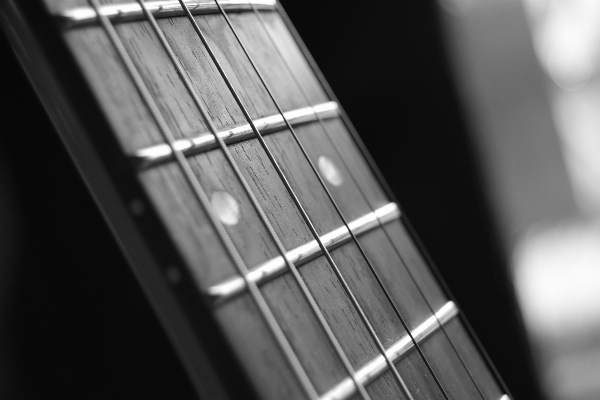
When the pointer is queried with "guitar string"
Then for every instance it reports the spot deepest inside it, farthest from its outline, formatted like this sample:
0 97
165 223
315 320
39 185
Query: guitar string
333 201
328 134
382 181
202 198
225 150
295 199
329 195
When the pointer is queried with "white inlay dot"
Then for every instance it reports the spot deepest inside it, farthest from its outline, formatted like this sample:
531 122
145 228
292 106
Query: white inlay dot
226 207
330 171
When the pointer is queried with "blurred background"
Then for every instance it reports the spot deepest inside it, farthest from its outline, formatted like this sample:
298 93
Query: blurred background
482 114
527 73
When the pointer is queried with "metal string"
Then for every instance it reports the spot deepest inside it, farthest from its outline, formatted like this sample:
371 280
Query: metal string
188 84
327 132
293 195
330 196
202 198
391 195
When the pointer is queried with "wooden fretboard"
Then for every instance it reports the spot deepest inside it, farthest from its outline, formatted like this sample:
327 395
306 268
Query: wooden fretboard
264 239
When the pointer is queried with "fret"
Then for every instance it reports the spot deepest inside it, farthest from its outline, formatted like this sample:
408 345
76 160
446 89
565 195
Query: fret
160 153
82 16
303 254
374 368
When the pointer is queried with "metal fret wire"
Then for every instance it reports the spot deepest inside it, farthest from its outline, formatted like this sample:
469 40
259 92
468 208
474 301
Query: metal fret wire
305 290
299 205
204 201
379 176
338 210
372 207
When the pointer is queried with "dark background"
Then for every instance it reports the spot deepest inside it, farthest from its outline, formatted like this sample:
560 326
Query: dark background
74 323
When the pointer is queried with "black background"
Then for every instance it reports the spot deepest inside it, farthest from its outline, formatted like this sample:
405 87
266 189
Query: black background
74 322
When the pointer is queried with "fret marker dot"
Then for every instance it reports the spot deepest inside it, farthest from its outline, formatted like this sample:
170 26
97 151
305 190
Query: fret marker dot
226 207
329 171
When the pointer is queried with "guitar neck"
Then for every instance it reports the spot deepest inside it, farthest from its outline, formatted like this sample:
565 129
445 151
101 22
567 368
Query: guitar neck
263 237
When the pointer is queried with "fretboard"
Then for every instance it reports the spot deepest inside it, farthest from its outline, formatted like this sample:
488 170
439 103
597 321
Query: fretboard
269 246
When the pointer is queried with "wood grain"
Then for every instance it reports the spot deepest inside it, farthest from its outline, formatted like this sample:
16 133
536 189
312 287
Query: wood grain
397 261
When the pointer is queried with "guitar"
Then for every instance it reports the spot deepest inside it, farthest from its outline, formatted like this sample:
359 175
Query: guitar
280 266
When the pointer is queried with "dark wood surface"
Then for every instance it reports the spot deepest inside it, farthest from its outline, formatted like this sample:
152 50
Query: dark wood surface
204 256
